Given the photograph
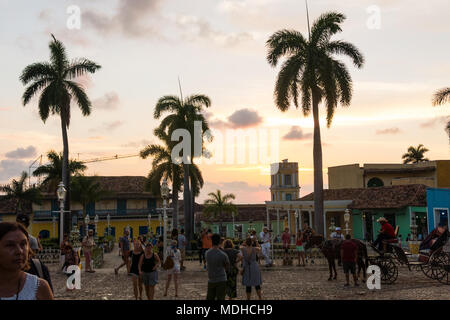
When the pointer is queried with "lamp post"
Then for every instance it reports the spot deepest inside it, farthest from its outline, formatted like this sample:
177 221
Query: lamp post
86 222
347 220
96 224
61 193
165 195
296 221
108 219
54 223
160 219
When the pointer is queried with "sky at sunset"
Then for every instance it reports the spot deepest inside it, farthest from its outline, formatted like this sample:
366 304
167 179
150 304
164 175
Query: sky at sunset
217 48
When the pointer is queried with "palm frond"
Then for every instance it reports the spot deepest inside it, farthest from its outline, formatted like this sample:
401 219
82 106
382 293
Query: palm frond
441 96
284 42
79 67
80 96
37 71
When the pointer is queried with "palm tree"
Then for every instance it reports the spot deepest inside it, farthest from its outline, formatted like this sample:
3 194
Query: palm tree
415 155
182 114
217 205
86 190
312 72
440 97
21 195
53 170
54 80
163 166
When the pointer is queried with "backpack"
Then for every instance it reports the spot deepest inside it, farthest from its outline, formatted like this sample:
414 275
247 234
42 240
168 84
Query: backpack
38 265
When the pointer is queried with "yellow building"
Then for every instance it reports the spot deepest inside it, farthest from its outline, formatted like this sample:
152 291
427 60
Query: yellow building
284 181
127 205
435 174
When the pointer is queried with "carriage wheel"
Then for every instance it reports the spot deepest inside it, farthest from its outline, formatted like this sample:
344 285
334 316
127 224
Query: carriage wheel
434 269
442 273
427 270
389 271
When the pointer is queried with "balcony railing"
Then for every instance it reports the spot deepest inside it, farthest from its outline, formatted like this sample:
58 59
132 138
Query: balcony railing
47 214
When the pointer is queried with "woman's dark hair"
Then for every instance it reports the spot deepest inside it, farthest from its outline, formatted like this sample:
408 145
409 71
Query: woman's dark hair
215 239
6 227
248 241
228 244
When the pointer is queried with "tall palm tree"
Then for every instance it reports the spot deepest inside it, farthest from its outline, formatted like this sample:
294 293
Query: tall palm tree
217 205
53 170
312 72
164 167
17 190
86 190
182 114
415 155
54 81
440 97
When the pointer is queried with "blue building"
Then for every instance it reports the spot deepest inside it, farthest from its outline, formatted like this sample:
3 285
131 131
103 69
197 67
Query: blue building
438 207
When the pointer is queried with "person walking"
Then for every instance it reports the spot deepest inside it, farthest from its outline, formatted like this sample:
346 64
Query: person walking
15 283
251 275
217 263
349 256
286 238
71 259
148 270
62 248
160 247
175 255
182 246
300 249
134 269
265 247
124 246
206 244
234 257
87 245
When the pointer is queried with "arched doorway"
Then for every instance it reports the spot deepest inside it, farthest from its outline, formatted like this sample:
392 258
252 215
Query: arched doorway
375 182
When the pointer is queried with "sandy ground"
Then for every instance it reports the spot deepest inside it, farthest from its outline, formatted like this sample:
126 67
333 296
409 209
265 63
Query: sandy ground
285 283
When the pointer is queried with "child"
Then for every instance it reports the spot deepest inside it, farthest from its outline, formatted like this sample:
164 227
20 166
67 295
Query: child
300 249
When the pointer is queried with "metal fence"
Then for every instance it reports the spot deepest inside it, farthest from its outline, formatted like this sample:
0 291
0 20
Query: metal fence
49 255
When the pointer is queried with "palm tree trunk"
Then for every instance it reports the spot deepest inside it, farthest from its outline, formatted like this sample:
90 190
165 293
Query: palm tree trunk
187 205
174 206
318 173
65 172
192 211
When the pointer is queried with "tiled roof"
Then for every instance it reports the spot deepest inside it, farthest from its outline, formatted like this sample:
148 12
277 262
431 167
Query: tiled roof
119 187
254 212
335 194
9 206
391 197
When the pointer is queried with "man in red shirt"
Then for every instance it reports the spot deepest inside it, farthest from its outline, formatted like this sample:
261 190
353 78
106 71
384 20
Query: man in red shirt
387 232
349 254
286 238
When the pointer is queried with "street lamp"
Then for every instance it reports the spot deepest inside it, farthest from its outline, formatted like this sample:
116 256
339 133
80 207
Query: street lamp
347 220
160 219
61 193
165 195
86 222
296 221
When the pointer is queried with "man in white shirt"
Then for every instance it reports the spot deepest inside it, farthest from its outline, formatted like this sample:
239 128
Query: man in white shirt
337 235
265 238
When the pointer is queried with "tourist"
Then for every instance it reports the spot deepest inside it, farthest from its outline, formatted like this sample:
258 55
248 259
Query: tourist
386 233
87 245
15 284
234 257
124 246
174 234
38 268
265 238
251 275
430 240
134 269
300 249
206 244
217 262
349 256
148 265
182 246
24 219
175 255
337 234
160 247
286 238
200 249
71 259
62 247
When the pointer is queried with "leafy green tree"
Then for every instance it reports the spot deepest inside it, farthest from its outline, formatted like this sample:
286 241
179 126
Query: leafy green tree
415 155
311 73
217 205
18 191
86 190
54 81
182 114
441 97
52 172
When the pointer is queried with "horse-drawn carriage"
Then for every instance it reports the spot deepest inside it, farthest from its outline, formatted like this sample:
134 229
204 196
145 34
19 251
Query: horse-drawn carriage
434 263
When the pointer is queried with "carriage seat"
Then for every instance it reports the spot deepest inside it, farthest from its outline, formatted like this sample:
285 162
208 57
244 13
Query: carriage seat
394 240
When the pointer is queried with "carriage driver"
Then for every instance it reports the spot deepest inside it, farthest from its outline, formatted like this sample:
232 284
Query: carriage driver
387 232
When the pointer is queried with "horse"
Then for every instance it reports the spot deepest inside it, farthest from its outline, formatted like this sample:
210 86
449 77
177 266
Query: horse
331 249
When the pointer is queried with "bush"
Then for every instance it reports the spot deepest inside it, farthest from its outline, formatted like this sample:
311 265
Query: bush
50 243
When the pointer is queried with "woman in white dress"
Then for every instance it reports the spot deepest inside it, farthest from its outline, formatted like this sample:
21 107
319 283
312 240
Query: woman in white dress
16 284
175 254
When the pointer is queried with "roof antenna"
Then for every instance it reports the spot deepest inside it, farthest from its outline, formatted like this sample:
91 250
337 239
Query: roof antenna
307 18
181 92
